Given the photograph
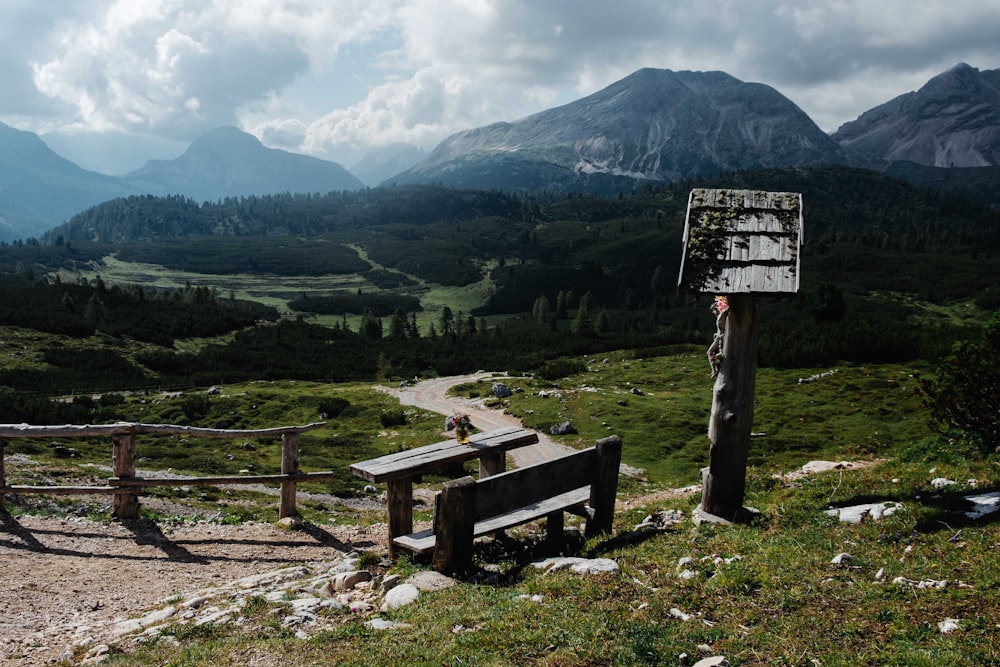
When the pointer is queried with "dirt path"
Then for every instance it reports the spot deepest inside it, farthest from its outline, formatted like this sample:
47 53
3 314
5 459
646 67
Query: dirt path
61 575
432 395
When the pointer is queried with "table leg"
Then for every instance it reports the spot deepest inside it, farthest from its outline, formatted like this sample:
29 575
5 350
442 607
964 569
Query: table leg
492 464
400 501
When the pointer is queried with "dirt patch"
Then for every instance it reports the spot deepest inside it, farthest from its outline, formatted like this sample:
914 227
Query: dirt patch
61 574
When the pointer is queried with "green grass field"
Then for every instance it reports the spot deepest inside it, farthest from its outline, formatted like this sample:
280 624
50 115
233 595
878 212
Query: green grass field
760 594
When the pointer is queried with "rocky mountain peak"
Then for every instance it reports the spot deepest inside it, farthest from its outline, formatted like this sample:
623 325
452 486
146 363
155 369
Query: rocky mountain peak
951 121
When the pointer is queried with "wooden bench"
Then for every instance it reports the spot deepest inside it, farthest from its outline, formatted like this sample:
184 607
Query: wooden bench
583 482
401 469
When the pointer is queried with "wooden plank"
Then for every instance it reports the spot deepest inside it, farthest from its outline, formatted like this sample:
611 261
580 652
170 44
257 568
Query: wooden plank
89 430
58 490
419 543
426 459
222 481
532 511
525 486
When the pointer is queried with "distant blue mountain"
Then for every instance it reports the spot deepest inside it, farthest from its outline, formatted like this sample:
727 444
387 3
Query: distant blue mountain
40 190
228 162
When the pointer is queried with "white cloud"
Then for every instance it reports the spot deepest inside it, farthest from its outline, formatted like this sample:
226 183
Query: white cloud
320 75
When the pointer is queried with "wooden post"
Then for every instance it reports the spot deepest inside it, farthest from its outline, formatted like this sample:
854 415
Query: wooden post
492 464
399 498
3 476
604 488
289 466
730 424
454 526
125 502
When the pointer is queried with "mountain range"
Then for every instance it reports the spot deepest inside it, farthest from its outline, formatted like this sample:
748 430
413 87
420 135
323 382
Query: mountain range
652 126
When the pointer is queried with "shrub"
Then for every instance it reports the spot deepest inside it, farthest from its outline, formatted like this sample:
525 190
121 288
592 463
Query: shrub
965 393
390 418
559 368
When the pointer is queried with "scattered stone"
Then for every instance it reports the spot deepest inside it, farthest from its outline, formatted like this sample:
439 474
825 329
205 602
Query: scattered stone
389 582
817 376
677 613
429 580
714 661
857 513
578 565
384 624
400 596
290 522
64 452
942 482
345 581
948 626
983 504
635 391
929 583
842 559
500 390
661 520
562 428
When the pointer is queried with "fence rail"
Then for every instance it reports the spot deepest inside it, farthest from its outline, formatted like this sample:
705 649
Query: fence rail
125 485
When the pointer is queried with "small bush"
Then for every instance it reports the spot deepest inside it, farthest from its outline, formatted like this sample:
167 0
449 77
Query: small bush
390 418
333 407
560 368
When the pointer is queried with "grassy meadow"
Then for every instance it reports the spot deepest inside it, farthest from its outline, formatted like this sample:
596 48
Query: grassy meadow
761 594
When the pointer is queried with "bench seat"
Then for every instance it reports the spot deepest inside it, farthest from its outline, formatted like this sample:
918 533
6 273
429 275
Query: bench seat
582 482
574 501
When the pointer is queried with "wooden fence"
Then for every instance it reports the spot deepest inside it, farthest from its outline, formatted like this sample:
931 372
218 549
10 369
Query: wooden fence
125 485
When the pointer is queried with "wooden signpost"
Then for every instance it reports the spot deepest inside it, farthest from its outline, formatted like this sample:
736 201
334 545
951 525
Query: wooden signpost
738 244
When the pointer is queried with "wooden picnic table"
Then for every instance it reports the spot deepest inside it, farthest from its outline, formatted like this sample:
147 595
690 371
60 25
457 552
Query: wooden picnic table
399 470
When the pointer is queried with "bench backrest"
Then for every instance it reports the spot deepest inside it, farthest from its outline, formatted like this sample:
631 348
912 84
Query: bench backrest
511 490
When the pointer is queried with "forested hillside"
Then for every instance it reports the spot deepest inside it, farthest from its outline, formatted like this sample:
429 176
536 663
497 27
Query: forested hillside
889 272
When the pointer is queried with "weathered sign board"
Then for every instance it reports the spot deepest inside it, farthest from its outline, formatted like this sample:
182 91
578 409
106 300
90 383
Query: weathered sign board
741 242
738 244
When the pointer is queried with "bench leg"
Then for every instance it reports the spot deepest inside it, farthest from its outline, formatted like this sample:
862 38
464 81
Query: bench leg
492 464
454 526
555 535
400 501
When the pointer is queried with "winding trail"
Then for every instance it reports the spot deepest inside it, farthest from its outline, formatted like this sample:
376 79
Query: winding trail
433 395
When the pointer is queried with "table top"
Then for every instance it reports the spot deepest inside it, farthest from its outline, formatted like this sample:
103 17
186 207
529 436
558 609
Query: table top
420 460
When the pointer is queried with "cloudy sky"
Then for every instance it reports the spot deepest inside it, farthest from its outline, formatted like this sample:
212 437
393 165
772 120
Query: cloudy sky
113 83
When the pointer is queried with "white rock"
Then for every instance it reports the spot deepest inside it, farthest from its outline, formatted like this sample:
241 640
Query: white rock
714 661
942 482
686 574
948 625
578 565
345 581
400 596
384 624
983 504
841 559
856 513
677 613
429 580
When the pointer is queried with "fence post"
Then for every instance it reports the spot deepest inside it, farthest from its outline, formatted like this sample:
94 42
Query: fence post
605 485
125 503
454 525
3 476
289 466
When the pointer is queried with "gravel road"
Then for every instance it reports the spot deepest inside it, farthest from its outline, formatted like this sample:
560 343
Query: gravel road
432 395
